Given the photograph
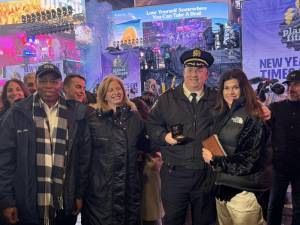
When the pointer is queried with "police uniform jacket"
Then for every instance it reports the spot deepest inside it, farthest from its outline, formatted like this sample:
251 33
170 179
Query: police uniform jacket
172 108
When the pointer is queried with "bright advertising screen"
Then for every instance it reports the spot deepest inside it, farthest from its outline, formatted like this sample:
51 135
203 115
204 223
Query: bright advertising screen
11 11
167 24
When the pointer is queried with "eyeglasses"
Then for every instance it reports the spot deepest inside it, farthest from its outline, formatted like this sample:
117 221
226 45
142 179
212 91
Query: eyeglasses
53 82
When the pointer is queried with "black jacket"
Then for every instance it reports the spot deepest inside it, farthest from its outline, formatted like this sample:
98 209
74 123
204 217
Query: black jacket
174 107
2 112
114 187
18 182
243 138
285 125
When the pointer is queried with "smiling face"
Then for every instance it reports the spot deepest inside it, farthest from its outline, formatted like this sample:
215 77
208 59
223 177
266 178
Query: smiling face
14 92
114 95
75 89
30 83
49 88
294 91
195 77
231 91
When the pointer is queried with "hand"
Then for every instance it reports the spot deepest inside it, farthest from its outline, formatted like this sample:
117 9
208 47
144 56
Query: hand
266 112
169 139
78 206
207 155
11 215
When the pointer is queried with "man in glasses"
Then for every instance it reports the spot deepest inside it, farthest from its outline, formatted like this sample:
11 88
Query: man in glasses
44 156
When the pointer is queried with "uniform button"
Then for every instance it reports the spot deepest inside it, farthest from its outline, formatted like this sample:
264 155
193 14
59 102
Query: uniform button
292 127
294 114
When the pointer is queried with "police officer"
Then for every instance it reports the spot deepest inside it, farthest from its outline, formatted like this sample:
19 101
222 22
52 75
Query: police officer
185 177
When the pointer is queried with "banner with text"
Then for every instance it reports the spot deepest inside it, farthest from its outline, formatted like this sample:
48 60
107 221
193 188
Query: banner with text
18 71
271 38
159 2
126 66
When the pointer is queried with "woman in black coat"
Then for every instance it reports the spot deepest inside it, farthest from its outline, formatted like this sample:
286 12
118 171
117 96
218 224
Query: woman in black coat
117 133
240 176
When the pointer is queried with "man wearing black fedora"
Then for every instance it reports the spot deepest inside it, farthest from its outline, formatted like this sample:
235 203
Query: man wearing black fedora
178 122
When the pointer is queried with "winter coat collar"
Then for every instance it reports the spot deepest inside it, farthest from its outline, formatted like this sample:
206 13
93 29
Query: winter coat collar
238 104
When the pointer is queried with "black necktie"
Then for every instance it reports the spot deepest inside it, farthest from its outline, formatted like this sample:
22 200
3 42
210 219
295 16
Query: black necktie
194 100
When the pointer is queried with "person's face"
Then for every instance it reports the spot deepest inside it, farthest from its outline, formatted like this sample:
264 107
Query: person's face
14 92
75 89
114 95
49 88
231 91
294 91
195 77
30 83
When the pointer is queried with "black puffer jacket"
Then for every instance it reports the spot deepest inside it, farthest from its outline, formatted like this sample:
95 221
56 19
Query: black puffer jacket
2 112
244 140
114 188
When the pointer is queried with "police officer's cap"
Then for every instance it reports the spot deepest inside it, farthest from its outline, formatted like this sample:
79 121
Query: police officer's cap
293 76
196 58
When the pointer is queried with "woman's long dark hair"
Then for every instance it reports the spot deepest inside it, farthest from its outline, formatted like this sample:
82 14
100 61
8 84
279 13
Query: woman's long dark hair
6 104
253 107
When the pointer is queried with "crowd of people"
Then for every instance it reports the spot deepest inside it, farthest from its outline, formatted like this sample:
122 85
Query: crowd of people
117 160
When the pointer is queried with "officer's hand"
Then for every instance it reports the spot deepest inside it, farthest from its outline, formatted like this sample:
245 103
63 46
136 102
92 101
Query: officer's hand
207 155
169 139
11 215
78 206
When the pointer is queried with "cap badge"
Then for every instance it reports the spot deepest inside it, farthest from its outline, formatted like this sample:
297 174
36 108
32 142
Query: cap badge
196 53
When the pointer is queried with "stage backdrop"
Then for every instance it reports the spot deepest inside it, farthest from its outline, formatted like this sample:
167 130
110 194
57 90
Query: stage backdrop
271 38
126 66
